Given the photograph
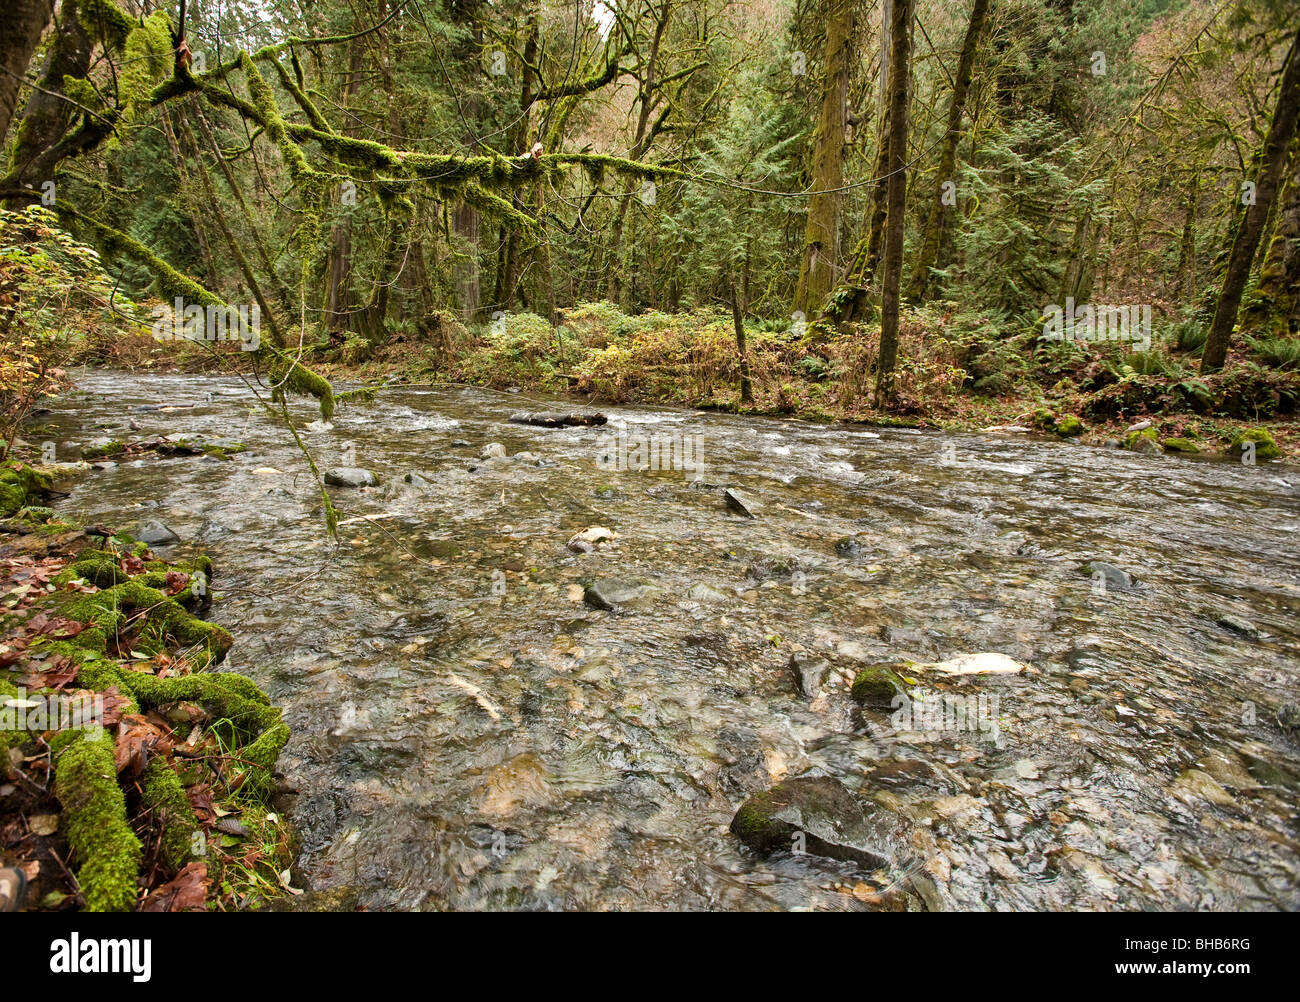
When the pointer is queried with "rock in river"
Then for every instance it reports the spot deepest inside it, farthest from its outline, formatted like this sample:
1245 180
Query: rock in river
350 476
154 533
741 503
610 593
819 815
808 674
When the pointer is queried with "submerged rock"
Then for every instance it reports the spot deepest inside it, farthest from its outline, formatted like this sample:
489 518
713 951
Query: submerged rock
808 674
1236 624
819 815
701 592
610 593
493 450
1116 578
740 503
350 476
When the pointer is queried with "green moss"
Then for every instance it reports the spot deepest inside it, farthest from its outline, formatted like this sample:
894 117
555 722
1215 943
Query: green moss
20 485
877 686
1265 446
104 19
297 378
164 797
1131 439
106 850
112 448
1180 445
109 612
1069 426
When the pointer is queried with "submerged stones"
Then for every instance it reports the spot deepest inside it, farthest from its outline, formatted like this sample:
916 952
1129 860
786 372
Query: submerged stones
590 538
350 476
818 815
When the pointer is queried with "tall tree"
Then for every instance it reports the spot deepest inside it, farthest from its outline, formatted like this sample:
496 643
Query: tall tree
21 24
822 233
936 221
892 260
1286 113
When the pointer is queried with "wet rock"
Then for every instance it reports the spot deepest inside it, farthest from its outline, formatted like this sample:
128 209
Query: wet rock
741 503
808 674
877 687
493 450
1288 717
610 593
154 533
1116 578
1239 626
350 476
701 592
821 816
558 420
982 663
590 538
1112 443
850 546
460 443
415 480
1194 784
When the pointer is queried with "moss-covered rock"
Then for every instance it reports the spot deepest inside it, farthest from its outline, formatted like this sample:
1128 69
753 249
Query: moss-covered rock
1069 426
818 815
1180 445
104 847
1142 441
877 686
1265 446
21 486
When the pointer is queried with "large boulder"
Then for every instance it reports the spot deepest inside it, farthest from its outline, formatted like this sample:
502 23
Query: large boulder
820 815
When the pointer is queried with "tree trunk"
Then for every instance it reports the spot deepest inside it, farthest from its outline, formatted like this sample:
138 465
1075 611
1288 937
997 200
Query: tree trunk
936 227
1278 289
47 116
822 233
1280 132
738 320
892 263
21 24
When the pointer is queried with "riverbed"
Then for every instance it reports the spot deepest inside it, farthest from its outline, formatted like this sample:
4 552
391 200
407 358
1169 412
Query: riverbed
470 733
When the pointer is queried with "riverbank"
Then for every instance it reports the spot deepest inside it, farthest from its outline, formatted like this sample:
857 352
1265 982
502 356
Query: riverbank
954 375
136 775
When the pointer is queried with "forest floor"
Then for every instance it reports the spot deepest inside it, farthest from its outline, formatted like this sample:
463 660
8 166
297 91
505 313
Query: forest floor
1095 393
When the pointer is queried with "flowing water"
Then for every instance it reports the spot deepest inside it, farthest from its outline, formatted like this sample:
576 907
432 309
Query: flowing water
468 733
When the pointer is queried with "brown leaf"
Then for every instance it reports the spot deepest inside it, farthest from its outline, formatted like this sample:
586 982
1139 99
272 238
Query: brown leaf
186 892
175 582
137 737
132 565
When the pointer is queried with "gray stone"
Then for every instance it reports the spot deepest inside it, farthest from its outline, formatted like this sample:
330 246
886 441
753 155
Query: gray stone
740 503
350 476
610 593
154 533
808 674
